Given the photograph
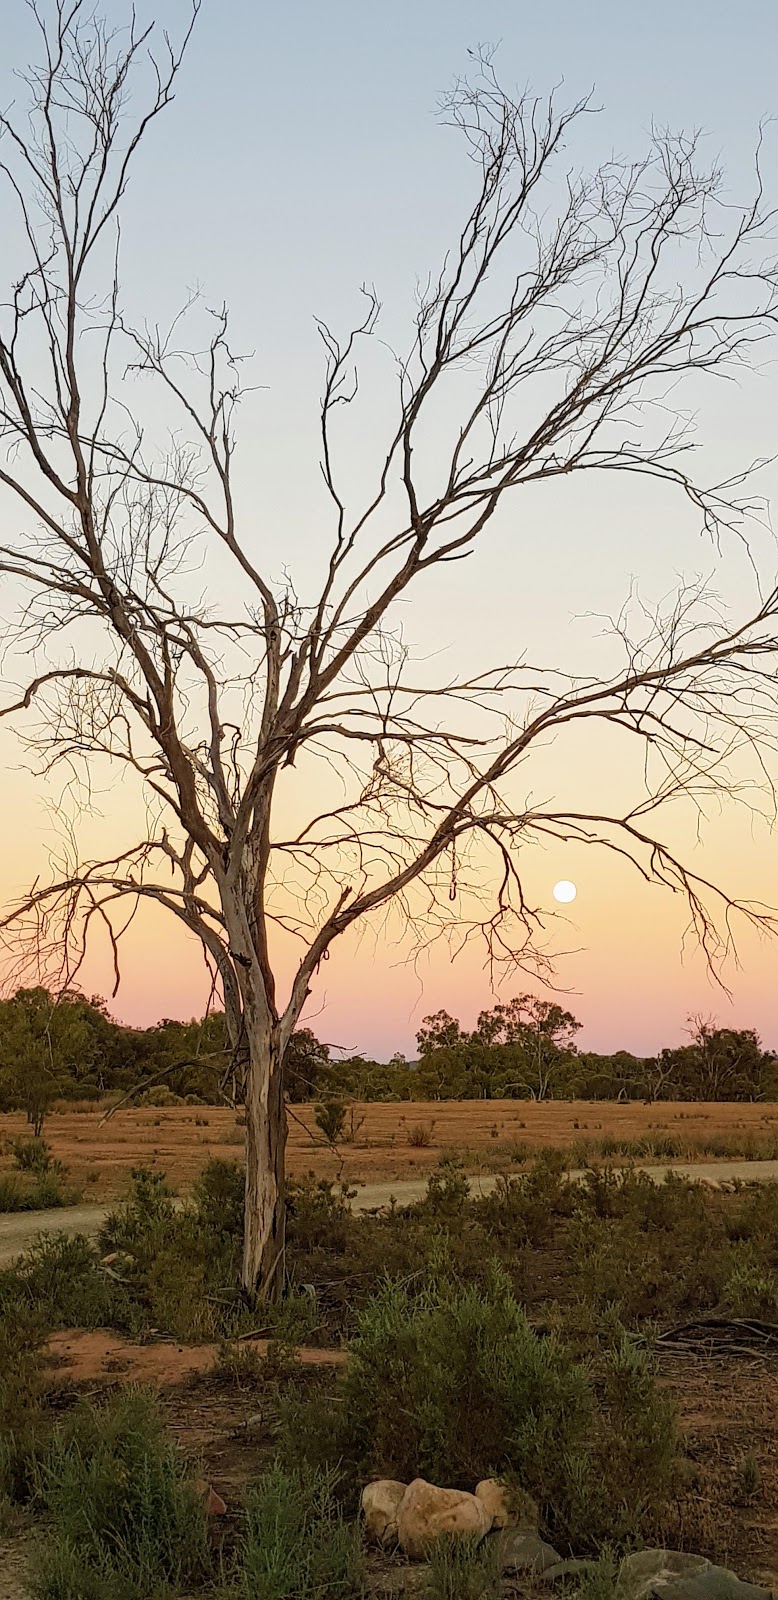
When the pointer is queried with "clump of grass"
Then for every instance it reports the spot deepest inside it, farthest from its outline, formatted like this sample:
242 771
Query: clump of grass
747 1480
297 1544
239 1364
45 1193
463 1569
420 1135
127 1518
751 1290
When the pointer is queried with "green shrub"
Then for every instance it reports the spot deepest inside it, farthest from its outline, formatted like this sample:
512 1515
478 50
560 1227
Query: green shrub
318 1216
60 1278
330 1118
160 1097
182 1262
12 1196
40 1186
448 1190
44 1193
34 1155
751 1290
218 1198
297 1544
451 1383
21 1392
127 1518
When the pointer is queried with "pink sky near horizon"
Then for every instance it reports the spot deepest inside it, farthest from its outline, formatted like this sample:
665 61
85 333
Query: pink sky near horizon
626 979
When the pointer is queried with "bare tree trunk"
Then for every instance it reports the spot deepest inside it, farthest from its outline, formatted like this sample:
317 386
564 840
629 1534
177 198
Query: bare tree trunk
264 1238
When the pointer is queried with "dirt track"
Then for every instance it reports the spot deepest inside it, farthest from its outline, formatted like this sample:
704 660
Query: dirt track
18 1230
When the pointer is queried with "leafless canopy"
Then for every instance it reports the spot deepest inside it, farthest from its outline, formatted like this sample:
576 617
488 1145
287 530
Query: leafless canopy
559 332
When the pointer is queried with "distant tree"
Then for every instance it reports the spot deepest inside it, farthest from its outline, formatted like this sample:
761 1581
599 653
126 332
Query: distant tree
47 1050
620 1076
438 1032
543 1036
717 1064
524 1047
307 1065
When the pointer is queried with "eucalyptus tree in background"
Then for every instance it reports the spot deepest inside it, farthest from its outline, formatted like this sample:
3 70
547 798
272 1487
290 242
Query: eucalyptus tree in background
556 337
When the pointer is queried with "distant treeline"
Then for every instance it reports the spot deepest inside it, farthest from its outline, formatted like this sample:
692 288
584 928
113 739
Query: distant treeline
72 1049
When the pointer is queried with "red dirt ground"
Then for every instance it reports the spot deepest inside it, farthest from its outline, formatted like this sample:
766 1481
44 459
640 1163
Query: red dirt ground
727 1410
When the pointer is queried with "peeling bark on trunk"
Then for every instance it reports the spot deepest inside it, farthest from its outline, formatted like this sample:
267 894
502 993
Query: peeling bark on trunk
264 1240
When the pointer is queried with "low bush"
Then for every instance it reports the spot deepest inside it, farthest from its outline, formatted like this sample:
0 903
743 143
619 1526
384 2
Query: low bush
61 1281
43 1193
160 1097
449 1382
330 1119
127 1518
21 1393
297 1544
34 1155
181 1262
751 1289
420 1135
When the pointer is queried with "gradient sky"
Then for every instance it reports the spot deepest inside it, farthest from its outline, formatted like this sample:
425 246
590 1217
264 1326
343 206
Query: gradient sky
302 157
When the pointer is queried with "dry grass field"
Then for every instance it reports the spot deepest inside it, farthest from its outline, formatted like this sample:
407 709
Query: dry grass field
388 1142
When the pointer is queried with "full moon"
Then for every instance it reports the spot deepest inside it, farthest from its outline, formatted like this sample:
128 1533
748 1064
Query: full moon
565 891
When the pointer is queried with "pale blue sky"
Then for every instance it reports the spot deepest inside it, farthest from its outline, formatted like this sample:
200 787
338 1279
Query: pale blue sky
303 157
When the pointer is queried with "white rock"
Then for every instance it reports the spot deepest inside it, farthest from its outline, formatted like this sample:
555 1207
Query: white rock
379 1509
425 1513
508 1507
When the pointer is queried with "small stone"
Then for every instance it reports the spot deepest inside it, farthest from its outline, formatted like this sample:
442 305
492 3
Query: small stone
212 1502
214 1505
507 1506
425 1513
379 1508
678 1575
566 1569
520 1551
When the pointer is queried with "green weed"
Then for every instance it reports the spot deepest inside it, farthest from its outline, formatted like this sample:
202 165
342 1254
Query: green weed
463 1569
297 1544
127 1518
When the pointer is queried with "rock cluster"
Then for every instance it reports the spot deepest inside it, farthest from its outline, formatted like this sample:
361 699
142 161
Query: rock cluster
677 1575
412 1516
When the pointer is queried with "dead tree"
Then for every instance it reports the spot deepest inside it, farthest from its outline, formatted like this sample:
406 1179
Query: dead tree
562 326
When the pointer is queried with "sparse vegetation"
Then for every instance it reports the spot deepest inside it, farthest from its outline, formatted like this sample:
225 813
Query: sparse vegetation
469 1356
297 1543
420 1135
127 1520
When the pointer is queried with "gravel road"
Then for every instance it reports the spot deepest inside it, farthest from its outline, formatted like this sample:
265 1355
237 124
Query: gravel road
18 1229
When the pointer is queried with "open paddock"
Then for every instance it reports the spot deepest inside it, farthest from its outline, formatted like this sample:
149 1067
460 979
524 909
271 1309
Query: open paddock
390 1142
